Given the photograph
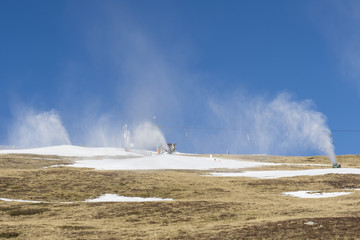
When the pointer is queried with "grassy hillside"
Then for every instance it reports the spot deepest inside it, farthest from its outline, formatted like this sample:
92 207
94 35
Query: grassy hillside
203 208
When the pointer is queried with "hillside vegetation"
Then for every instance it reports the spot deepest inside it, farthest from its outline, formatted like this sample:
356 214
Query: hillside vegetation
204 207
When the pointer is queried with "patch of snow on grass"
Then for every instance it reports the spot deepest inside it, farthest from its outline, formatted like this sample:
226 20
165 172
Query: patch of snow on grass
315 194
283 173
19 200
117 198
27 201
102 198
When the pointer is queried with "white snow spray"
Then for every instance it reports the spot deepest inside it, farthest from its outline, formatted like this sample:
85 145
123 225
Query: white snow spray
101 131
278 126
148 136
32 129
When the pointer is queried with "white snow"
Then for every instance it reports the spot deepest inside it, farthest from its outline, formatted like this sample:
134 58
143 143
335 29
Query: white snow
102 198
117 198
71 151
294 173
27 201
315 194
167 161
164 161
19 200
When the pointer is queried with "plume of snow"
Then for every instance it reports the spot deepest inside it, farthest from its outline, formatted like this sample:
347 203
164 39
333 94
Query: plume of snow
278 126
33 129
102 131
148 136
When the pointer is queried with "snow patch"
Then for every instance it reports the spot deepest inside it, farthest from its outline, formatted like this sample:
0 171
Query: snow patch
117 198
281 174
27 201
315 194
19 200
102 198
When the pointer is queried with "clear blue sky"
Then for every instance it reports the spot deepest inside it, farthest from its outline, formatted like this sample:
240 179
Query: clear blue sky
131 60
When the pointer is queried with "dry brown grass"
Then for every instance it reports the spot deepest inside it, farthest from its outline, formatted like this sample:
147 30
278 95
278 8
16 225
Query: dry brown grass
203 207
29 161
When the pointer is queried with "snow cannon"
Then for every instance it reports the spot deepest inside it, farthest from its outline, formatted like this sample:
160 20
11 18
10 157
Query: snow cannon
336 165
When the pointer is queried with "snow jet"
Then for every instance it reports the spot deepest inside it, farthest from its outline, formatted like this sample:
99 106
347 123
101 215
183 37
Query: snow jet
148 136
41 129
278 126
38 129
101 131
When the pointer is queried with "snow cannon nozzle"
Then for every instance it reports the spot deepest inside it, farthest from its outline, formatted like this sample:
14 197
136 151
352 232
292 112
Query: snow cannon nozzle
335 165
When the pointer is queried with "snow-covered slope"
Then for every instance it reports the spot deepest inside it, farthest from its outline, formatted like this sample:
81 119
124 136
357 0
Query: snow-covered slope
71 151
110 161
164 161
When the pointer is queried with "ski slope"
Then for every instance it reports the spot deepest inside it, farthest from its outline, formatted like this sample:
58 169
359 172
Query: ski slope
165 161
155 162
108 161
72 151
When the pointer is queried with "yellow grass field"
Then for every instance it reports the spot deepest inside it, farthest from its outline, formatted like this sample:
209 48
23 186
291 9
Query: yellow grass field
204 207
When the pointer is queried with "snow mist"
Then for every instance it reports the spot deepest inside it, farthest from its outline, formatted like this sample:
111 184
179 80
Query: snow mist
32 129
278 126
148 136
101 131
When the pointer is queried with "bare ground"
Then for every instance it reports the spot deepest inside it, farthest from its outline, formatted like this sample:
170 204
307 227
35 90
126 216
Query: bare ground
203 207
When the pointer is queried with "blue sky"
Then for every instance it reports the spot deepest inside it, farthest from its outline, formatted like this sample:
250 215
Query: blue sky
127 61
